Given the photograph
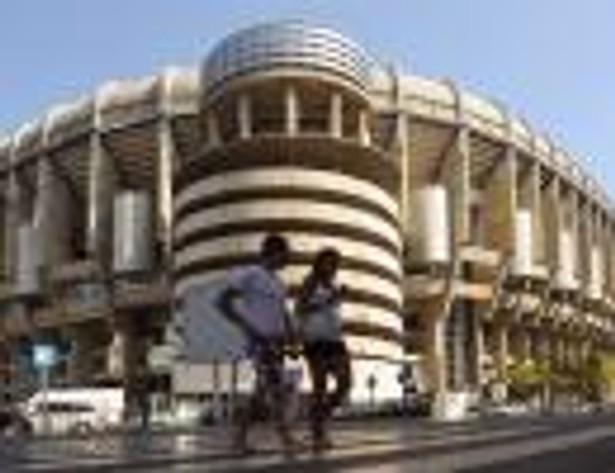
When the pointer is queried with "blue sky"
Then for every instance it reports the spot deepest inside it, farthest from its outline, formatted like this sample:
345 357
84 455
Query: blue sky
552 61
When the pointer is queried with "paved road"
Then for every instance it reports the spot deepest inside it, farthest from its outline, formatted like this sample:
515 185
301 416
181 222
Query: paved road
576 444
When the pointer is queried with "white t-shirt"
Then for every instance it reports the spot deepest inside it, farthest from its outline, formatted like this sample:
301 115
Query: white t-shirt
262 300
323 322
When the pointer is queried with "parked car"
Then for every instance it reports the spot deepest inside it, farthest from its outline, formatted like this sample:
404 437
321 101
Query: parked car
74 410
506 410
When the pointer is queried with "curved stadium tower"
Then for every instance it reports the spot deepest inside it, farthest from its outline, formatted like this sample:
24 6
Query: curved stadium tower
286 120
471 243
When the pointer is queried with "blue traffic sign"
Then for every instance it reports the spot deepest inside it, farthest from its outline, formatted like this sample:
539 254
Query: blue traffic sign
44 356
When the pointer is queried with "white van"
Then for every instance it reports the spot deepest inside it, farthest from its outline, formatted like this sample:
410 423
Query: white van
74 410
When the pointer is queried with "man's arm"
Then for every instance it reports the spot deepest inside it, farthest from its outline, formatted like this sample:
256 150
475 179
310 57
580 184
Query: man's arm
225 303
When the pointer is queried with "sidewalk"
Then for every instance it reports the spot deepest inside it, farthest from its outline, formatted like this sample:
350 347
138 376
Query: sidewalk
211 445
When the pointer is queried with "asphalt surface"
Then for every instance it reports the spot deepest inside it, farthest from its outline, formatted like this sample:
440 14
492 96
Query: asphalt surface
574 443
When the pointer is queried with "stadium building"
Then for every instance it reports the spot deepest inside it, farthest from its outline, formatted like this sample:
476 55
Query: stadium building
470 241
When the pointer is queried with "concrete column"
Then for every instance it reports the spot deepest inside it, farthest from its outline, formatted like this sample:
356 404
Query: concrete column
80 366
585 232
101 184
564 349
479 351
609 256
602 239
457 175
117 352
127 359
559 349
11 223
521 344
463 346
575 228
336 115
292 108
125 351
457 172
365 136
606 236
244 116
544 349
611 253
164 187
51 215
573 352
544 356
585 349
403 140
17 374
501 204
213 130
553 223
500 358
435 361
530 197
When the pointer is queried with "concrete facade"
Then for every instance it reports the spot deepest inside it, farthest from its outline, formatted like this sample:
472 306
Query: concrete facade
470 241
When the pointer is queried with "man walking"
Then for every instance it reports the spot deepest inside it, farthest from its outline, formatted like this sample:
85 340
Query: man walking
254 298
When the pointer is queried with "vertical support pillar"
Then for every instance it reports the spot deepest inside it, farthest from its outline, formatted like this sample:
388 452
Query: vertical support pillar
80 362
522 345
463 346
574 230
553 224
602 242
117 352
609 257
213 130
50 219
501 349
479 352
292 108
435 362
164 187
611 253
404 160
336 115
12 220
560 348
101 183
544 347
535 197
458 179
457 174
244 116
365 137
127 353
501 204
585 231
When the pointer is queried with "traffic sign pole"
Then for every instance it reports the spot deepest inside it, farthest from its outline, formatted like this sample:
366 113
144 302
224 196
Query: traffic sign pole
44 385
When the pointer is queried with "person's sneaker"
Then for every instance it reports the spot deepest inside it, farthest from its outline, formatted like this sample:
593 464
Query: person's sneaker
240 445
290 445
242 449
321 444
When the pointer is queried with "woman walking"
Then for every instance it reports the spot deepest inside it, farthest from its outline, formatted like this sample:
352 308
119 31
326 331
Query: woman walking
318 311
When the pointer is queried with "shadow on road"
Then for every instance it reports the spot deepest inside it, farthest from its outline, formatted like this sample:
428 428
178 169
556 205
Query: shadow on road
594 457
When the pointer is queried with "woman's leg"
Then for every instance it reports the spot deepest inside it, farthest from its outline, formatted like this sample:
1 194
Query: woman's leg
318 376
341 371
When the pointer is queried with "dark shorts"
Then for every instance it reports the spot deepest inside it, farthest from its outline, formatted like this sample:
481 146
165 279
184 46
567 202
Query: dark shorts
325 352
269 365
